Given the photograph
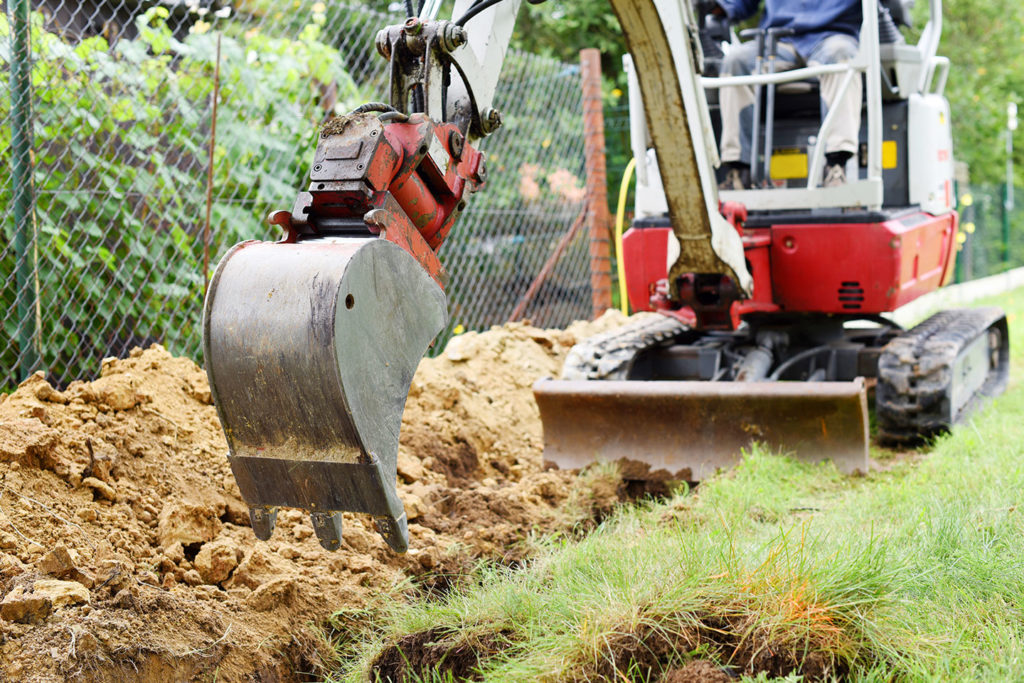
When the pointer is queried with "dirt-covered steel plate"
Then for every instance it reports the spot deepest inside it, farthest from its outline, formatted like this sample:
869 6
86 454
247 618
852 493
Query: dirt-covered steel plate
692 429
310 349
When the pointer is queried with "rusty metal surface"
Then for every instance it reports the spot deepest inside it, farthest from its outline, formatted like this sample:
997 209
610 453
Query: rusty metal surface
310 350
691 429
405 179
598 218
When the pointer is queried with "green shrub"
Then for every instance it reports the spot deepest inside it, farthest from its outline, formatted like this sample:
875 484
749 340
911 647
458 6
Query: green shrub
120 155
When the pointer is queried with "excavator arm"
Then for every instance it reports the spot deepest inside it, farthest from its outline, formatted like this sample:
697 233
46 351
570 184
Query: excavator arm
311 342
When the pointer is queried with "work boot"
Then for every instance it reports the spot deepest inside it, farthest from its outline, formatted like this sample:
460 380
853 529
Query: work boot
835 175
737 178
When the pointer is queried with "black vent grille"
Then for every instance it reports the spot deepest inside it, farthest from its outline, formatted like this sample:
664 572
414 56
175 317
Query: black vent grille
851 295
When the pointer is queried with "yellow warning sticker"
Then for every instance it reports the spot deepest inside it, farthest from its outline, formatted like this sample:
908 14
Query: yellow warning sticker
788 163
889 154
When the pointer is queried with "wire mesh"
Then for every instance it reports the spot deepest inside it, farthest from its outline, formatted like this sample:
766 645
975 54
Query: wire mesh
991 237
111 255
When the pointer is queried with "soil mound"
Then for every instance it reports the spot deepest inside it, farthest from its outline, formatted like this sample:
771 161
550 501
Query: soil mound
125 550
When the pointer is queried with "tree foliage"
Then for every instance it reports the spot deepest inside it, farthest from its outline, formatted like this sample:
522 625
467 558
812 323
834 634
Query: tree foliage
561 28
984 40
121 142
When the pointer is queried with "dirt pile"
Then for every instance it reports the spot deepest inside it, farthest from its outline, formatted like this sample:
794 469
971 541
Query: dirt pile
124 544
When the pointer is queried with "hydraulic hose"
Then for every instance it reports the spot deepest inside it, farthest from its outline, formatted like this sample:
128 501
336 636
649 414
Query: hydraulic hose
476 9
620 219
372 106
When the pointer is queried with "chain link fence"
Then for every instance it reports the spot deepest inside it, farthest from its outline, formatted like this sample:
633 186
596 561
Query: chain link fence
106 130
991 237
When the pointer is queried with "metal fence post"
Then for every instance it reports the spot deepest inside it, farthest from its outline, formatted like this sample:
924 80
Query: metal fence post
22 208
958 254
965 264
596 181
1007 208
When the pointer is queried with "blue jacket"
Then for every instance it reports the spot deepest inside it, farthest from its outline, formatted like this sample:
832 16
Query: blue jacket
813 20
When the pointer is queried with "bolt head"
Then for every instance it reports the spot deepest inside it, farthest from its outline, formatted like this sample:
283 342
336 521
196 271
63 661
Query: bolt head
455 144
490 120
454 36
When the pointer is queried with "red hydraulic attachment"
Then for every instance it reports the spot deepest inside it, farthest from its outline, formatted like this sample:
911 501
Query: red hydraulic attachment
401 177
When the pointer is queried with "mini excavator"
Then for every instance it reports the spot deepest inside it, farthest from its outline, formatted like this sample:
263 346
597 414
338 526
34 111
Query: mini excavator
771 299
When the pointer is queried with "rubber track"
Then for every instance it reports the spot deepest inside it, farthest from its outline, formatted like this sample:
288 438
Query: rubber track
610 355
915 374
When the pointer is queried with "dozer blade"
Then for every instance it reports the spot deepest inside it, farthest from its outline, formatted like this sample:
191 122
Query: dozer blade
692 429
310 350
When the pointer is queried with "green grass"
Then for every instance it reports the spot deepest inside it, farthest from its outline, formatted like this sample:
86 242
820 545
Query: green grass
916 573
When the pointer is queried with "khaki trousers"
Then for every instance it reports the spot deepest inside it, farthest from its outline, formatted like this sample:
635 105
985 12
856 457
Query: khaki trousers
737 102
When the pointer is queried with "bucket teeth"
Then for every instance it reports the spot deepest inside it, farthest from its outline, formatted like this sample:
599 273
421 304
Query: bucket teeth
394 531
263 520
327 526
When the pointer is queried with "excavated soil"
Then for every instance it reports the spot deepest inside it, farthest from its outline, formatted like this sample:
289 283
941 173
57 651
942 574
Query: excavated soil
125 550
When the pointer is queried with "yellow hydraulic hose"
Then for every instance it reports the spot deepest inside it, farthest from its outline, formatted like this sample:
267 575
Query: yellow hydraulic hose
620 218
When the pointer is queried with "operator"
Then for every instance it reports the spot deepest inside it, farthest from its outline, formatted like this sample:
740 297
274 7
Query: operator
824 32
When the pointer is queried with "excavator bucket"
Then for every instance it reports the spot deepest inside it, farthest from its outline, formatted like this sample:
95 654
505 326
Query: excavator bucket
310 350
691 429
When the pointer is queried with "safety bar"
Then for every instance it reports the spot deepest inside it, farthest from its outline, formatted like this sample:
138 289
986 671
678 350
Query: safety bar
800 74
816 161
850 69
867 62
928 44
940 66
818 155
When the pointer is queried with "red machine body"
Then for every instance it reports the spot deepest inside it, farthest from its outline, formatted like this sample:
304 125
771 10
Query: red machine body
840 268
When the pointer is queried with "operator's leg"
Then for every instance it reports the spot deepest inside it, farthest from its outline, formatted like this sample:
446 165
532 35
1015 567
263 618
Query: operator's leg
737 105
841 142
